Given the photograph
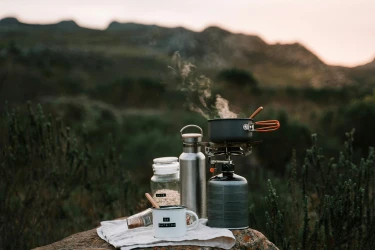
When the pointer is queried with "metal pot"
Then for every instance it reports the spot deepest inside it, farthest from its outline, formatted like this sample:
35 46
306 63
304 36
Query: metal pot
239 129
230 130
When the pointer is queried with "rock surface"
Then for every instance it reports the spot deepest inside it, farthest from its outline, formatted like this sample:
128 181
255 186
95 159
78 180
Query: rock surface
89 240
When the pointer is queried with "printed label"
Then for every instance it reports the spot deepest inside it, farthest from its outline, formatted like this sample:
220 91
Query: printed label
161 195
167 224
166 219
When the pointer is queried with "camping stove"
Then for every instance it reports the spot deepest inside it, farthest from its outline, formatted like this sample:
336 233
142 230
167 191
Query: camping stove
227 192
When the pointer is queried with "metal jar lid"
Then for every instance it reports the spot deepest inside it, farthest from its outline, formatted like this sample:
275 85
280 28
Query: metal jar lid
166 165
191 137
165 160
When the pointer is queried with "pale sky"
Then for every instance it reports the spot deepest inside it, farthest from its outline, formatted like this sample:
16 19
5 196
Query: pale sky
340 32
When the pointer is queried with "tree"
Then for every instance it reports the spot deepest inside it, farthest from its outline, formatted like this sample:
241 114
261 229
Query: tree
237 76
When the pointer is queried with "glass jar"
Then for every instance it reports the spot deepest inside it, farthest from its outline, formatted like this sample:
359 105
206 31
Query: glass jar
165 183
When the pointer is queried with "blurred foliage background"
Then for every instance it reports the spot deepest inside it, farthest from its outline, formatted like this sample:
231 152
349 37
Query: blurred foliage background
84 113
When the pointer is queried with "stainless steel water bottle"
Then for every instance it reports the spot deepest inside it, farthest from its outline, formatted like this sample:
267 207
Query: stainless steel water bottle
193 173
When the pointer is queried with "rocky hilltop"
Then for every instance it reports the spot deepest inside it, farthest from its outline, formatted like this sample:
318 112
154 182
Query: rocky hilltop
216 48
212 49
370 65
11 23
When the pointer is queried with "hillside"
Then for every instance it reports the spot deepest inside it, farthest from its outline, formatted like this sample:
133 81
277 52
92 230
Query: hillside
212 50
216 49
369 66
11 24
363 74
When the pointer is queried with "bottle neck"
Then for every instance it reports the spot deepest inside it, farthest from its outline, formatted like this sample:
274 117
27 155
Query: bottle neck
191 148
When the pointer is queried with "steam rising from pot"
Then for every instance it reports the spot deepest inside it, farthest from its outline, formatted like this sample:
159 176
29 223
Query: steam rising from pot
222 107
197 90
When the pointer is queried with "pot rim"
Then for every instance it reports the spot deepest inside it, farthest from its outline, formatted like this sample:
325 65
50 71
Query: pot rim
170 207
231 119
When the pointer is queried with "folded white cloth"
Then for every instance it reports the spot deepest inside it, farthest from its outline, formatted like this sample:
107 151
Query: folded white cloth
116 233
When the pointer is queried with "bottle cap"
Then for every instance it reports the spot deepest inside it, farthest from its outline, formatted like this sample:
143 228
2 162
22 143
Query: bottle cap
191 137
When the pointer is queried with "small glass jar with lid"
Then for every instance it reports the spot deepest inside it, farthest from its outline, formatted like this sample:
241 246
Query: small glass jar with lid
165 183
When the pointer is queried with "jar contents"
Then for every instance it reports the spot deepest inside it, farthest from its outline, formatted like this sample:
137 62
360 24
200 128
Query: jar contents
165 197
165 183
142 219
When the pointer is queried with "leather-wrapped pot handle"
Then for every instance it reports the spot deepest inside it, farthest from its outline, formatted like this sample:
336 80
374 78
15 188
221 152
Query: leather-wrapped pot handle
267 126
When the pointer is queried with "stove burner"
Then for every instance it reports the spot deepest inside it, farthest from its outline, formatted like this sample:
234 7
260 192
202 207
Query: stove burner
241 148
227 149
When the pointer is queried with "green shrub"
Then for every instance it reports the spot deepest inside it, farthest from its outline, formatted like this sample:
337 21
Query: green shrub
280 144
52 185
329 204
237 76
361 116
57 181
133 92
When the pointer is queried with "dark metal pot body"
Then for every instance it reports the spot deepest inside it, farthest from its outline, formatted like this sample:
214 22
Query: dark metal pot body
230 130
